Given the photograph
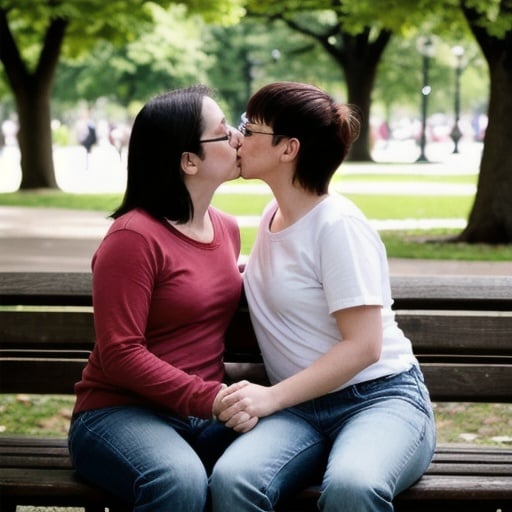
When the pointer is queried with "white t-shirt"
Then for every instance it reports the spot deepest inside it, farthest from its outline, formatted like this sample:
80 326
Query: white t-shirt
328 260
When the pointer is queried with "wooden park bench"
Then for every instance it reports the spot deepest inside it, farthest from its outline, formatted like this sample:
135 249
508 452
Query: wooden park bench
461 328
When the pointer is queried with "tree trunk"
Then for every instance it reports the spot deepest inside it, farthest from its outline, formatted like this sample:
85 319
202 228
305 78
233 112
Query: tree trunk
490 219
32 91
359 58
360 79
35 138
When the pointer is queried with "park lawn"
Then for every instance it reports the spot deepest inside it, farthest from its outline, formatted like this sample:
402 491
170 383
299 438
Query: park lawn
59 199
49 415
460 179
373 206
424 244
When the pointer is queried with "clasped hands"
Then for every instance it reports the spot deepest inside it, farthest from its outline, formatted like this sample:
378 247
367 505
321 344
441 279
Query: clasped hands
242 404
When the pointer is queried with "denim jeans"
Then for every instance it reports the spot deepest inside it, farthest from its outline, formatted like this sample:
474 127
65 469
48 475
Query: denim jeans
369 441
153 461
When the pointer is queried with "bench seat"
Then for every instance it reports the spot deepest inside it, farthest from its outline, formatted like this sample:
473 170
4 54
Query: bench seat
39 470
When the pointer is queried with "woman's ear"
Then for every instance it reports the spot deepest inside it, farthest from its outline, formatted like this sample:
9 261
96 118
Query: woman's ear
188 163
291 149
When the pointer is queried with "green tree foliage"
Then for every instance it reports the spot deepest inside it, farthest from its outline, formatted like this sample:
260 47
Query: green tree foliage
169 56
355 34
251 53
33 36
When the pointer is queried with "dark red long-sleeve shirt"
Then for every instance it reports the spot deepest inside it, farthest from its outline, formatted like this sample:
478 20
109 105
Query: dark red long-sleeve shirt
162 303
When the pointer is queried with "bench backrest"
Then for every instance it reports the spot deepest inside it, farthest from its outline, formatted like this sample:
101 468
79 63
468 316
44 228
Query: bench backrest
461 329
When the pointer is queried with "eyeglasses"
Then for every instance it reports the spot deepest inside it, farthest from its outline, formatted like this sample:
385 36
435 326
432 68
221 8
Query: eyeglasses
246 132
216 139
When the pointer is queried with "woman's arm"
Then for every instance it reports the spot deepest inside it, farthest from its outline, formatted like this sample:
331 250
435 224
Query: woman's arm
360 346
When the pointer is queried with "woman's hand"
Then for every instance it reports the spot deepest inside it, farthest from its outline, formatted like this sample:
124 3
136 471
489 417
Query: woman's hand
237 419
246 400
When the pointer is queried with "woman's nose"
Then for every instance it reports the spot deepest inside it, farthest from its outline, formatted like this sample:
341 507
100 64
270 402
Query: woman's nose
236 138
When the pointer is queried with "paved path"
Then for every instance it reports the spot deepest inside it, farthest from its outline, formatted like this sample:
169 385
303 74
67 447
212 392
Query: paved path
53 239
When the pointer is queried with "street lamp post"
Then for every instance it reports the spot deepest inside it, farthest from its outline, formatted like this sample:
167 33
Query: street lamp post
426 48
456 133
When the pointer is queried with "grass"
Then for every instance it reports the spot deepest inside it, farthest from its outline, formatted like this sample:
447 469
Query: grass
434 244
44 415
463 179
35 415
58 199
423 244
413 207
374 206
489 424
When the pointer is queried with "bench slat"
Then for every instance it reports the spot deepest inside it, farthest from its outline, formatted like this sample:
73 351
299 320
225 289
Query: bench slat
47 376
50 462
459 452
34 481
459 332
466 468
46 288
444 452
35 461
431 332
27 441
412 292
59 487
469 382
460 486
51 329
41 449
452 292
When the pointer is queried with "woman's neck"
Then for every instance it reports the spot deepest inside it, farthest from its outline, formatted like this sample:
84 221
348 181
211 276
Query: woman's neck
198 228
293 203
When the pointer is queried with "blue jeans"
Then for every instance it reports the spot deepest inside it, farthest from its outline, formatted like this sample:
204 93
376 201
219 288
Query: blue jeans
369 441
151 460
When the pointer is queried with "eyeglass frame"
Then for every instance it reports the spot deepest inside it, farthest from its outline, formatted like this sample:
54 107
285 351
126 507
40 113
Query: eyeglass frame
242 128
216 139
